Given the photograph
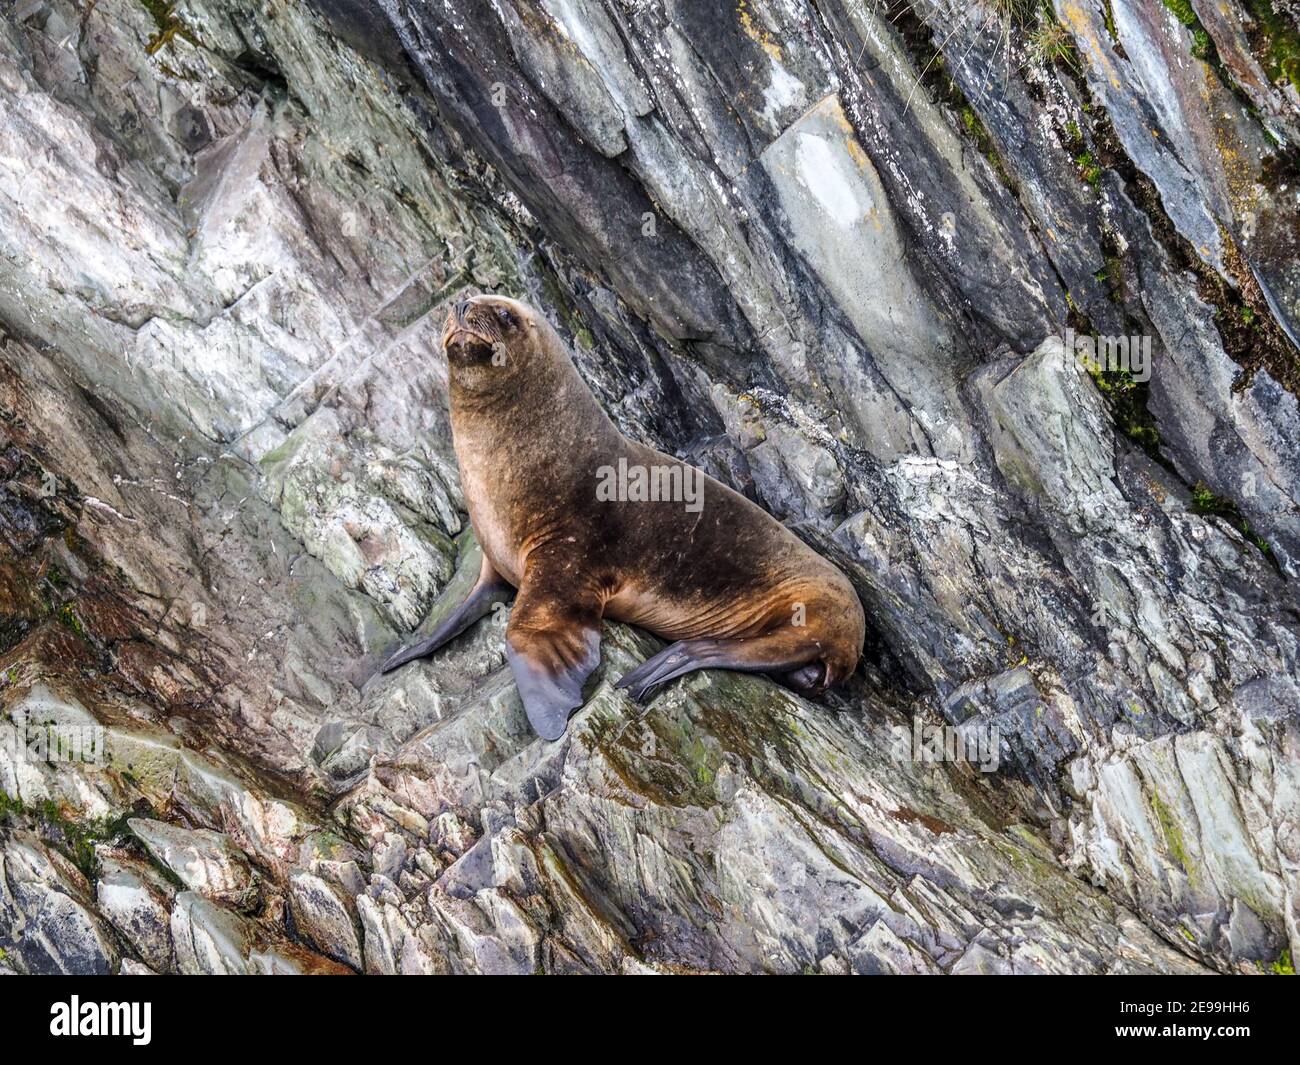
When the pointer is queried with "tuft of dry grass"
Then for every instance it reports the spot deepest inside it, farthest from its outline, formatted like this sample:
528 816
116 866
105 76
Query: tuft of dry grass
1049 43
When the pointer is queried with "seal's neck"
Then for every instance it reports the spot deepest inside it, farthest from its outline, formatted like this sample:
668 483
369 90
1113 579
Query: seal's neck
542 413
501 379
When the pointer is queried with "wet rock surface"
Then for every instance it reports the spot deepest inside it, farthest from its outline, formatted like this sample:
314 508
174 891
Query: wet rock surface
787 243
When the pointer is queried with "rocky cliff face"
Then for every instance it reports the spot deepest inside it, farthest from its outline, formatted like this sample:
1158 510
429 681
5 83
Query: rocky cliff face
830 251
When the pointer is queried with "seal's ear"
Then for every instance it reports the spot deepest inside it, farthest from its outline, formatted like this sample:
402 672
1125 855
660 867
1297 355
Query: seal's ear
553 644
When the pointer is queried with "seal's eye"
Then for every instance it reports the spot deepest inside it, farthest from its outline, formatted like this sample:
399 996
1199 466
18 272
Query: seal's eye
505 317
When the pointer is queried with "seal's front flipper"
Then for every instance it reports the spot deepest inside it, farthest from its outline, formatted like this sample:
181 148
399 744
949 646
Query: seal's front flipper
490 590
550 688
774 653
553 644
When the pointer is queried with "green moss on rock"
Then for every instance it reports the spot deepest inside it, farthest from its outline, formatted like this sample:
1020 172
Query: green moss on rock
1204 501
1173 834
1186 14
1276 43
76 839
170 26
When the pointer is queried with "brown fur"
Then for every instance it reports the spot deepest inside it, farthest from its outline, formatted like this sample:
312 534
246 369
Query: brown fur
530 438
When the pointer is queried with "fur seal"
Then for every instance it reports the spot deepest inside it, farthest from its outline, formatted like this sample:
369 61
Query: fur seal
573 515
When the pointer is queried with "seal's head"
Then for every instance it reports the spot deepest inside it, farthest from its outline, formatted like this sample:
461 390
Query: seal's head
488 339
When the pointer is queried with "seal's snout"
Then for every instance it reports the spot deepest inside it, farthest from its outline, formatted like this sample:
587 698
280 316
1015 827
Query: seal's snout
473 330
459 317
464 343
460 338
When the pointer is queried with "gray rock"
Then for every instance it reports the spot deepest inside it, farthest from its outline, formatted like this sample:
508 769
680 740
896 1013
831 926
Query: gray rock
205 861
47 920
210 940
325 917
137 901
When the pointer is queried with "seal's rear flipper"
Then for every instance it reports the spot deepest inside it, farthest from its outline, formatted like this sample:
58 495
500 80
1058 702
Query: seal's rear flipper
776 652
490 589
811 679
